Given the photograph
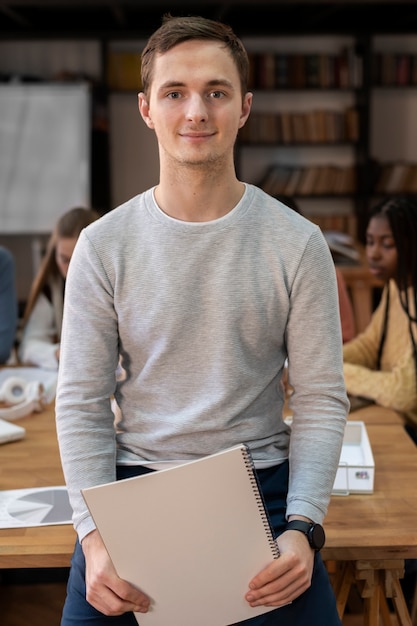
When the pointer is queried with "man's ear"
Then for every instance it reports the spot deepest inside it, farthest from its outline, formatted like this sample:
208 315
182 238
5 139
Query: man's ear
246 108
144 110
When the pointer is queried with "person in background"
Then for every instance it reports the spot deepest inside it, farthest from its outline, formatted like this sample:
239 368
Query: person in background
42 321
202 286
8 304
380 364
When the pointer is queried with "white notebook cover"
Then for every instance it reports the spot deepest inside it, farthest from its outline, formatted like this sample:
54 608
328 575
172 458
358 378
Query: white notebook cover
191 537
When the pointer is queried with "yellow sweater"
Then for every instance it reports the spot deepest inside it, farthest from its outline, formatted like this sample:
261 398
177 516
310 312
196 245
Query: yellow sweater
394 386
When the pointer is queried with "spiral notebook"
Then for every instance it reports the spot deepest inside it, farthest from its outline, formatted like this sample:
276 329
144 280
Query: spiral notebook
191 537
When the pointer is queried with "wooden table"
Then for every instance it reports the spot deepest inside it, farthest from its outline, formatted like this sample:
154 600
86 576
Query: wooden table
34 462
369 536
374 414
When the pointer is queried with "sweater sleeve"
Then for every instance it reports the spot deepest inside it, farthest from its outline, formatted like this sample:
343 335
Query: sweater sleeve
394 384
363 349
85 384
394 389
318 402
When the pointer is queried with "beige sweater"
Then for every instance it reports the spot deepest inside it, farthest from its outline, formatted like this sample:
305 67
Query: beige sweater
394 386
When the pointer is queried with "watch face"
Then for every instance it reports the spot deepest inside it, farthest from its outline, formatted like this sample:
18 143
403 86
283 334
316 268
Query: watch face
313 532
317 536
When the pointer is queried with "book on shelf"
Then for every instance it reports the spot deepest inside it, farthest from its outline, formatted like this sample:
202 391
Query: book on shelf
352 124
292 127
190 536
281 70
286 127
396 178
326 71
311 70
293 182
340 220
308 180
276 179
298 128
297 71
394 69
321 184
383 176
403 67
410 183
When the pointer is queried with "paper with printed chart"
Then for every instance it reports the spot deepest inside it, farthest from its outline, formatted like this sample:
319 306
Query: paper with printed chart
41 506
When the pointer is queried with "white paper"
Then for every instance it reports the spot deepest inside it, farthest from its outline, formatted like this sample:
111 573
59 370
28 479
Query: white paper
41 506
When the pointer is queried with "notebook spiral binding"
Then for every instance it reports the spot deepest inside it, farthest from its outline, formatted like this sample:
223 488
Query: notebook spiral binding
250 465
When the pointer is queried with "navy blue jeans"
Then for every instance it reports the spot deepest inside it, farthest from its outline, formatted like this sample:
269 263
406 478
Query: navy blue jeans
315 607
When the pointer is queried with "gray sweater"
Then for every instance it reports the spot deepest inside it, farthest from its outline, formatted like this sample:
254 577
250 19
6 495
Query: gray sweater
202 316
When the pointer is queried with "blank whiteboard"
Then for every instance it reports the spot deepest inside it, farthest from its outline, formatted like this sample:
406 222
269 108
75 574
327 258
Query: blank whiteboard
44 154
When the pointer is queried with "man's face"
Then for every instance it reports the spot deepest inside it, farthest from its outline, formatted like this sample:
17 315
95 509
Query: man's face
195 104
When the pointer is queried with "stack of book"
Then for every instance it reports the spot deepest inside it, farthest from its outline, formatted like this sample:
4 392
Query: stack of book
395 178
309 180
316 126
395 69
275 70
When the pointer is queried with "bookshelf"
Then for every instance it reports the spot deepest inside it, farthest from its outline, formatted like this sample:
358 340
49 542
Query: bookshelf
327 113
307 134
394 99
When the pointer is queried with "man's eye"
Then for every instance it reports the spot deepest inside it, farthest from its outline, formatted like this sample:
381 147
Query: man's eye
174 95
217 94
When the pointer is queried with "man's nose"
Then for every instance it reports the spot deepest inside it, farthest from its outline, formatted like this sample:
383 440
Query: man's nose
197 109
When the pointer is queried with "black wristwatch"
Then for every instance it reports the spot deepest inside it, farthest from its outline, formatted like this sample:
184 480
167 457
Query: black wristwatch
313 532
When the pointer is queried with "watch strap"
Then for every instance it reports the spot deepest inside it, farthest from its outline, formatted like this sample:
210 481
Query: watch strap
314 532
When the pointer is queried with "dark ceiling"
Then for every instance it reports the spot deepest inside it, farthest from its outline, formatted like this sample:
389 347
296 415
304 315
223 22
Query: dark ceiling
138 18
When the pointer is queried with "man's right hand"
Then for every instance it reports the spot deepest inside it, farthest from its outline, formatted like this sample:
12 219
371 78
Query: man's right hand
106 592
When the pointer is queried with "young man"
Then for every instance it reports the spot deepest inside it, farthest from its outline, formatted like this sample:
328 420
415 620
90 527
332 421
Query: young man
203 286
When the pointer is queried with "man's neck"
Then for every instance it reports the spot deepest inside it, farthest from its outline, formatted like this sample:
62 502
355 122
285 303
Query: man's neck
198 198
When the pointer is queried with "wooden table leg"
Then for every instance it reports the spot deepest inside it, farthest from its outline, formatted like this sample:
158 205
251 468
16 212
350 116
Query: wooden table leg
379 580
400 605
384 609
343 577
376 581
368 581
